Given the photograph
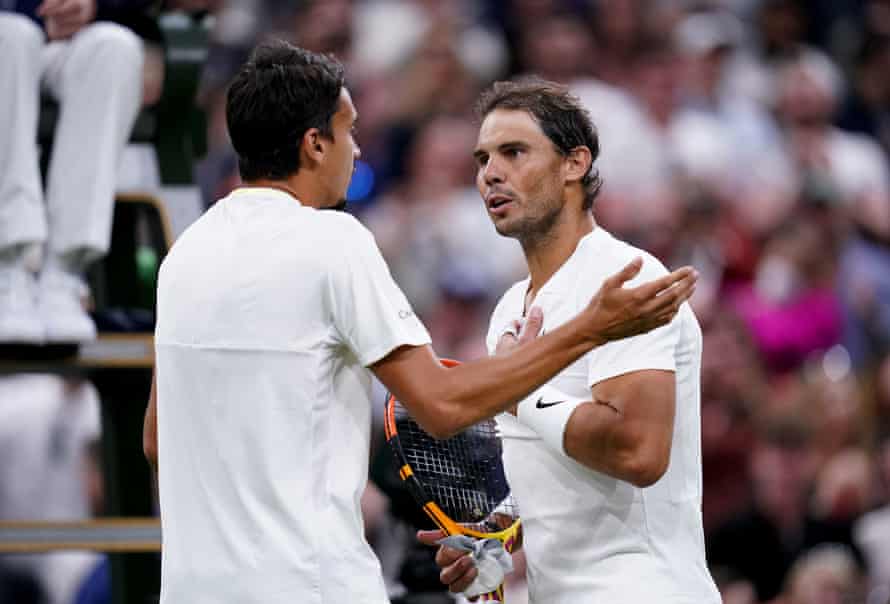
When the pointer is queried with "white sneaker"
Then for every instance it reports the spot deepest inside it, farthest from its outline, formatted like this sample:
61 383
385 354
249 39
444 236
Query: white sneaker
19 320
60 302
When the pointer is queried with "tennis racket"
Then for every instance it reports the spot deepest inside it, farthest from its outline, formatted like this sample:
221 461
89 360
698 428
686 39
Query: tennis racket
459 481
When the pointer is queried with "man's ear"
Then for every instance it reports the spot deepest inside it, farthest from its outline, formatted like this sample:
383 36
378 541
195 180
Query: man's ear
577 163
313 145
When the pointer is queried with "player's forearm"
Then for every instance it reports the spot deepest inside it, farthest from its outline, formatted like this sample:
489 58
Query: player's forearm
475 391
601 438
445 401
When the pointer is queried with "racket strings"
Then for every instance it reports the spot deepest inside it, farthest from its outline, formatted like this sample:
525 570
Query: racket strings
464 474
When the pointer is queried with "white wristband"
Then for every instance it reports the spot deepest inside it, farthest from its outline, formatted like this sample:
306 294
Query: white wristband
547 411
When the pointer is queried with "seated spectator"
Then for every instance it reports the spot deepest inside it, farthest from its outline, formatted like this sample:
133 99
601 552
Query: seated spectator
826 574
49 432
49 236
791 308
762 543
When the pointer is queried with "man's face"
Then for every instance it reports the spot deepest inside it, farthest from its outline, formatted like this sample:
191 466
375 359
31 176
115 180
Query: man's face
343 150
519 174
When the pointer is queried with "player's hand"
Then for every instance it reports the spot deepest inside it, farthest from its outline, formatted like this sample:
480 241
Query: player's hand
64 18
617 312
458 568
518 333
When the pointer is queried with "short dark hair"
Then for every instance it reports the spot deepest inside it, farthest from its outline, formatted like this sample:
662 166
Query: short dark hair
560 114
280 93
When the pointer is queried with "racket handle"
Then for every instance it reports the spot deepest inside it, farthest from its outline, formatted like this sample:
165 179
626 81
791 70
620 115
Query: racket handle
494 596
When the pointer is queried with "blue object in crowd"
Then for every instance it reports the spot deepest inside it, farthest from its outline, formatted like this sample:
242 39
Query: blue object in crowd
96 588
362 183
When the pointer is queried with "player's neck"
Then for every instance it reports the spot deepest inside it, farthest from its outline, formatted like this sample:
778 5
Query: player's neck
546 255
305 190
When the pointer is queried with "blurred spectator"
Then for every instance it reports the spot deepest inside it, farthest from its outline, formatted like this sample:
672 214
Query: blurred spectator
559 48
734 589
432 226
762 543
619 26
94 69
867 107
47 428
852 166
791 308
732 384
864 283
737 153
826 574
779 34
872 530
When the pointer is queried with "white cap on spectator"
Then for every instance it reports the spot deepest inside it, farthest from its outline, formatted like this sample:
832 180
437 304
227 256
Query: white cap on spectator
821 70
387 33
702 33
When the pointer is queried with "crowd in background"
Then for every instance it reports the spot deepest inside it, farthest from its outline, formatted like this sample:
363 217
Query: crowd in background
749 138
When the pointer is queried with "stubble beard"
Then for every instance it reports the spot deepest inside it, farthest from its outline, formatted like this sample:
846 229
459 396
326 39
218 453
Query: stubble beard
533 232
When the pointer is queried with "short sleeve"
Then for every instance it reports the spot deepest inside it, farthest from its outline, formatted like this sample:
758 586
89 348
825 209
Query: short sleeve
370 313
652 350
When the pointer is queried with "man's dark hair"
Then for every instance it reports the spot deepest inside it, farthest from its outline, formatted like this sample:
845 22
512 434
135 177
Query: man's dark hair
559 114
280 93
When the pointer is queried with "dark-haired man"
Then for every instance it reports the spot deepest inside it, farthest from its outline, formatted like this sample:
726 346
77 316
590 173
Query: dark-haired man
272 317
604 460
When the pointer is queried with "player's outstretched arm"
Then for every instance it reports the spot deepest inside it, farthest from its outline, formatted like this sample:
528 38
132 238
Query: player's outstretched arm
445 401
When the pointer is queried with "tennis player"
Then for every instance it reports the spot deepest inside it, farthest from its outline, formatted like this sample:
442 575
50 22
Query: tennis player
605 460
272 316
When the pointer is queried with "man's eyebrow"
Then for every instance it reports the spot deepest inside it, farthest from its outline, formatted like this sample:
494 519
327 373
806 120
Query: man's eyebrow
501 147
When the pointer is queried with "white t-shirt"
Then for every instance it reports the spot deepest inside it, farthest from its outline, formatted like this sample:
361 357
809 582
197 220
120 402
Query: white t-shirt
590 537
269 313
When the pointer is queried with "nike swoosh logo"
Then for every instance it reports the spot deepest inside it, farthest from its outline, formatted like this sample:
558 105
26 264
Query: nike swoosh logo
542 405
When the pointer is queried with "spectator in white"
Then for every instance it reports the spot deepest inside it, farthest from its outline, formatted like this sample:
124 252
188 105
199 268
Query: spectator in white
809 88
94 70
741 132
47 426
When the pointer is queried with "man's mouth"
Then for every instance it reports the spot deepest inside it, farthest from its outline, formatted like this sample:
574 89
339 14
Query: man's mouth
496 201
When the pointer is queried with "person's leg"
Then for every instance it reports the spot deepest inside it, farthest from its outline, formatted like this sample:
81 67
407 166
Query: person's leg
22 213
97 77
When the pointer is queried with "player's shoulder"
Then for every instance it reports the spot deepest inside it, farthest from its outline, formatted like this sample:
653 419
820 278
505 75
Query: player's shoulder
607 254
343 227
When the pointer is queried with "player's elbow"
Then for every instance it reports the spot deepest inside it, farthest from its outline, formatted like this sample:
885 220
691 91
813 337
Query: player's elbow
646 466
439 426
644 475
440 419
